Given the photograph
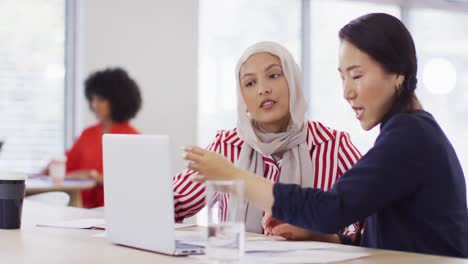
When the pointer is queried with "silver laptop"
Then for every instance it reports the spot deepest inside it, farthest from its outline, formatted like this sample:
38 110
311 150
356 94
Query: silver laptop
139 203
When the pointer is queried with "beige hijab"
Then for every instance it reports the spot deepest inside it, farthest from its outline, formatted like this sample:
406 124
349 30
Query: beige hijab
296 161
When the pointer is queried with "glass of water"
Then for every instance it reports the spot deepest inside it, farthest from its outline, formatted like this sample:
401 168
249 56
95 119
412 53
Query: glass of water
226 211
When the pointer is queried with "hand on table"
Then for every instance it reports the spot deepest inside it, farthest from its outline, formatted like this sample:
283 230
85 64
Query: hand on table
274 227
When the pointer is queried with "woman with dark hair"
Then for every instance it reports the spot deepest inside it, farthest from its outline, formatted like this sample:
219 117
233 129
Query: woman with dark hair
114 98
408 191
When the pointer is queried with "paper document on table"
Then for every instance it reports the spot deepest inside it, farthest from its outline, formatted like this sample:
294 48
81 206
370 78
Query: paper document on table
87 223
295 256
302 256
264 245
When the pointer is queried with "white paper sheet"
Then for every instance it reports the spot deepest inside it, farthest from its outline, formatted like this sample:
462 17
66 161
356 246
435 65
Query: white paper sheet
252 246
86 223
302 256
294 256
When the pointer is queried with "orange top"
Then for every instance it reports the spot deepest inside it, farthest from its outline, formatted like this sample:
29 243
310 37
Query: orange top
86 154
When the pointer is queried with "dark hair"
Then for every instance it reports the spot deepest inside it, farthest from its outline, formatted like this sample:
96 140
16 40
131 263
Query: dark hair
385 39
115 85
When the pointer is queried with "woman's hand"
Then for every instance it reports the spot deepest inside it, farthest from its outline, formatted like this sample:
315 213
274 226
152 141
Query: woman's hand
274 227
212 166
209 165
268 223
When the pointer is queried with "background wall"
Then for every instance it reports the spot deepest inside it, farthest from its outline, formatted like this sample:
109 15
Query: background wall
156 42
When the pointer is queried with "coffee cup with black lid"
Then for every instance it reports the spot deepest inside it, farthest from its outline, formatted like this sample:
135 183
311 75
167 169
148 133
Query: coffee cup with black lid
12 190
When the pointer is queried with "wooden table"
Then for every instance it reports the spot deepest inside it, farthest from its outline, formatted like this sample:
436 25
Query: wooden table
32 244
40 184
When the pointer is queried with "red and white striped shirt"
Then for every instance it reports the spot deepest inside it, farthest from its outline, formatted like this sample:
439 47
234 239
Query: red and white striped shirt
331 151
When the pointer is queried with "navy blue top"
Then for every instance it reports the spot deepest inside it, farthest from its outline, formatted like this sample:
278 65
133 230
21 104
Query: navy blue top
409 188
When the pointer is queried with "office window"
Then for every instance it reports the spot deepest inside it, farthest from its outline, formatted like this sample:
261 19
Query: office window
226 29
441 39
326 98
32 44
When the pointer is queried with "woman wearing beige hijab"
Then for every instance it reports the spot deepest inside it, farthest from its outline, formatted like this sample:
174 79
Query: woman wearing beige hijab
272 139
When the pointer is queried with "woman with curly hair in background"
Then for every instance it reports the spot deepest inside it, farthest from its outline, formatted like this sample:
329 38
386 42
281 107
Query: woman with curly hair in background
114 98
